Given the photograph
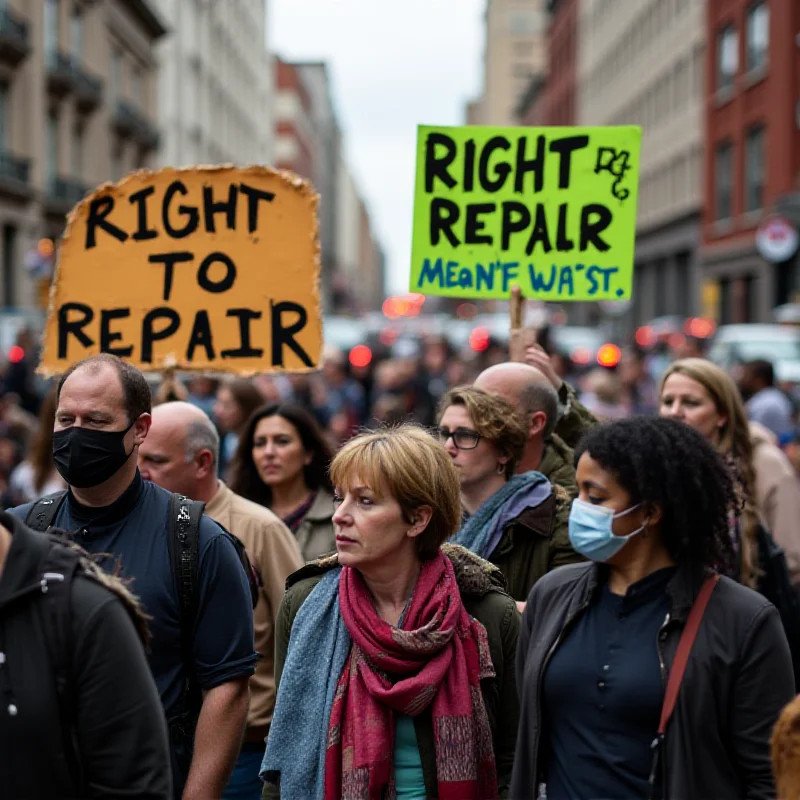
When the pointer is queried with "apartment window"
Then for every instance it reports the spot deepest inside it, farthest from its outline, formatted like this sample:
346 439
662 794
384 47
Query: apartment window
50 27
727 57
116 73
757 35
76 35
525 23
754 169
723 180
137 94
77 150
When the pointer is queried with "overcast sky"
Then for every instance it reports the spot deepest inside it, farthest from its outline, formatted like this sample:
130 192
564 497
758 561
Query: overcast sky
393 65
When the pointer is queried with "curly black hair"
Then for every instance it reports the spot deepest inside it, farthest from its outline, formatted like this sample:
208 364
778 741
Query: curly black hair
667 463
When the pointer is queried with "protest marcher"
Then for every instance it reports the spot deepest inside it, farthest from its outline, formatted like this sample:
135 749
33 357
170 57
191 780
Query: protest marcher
80 712
705 397
601 642
201 663
518 522
786 752
400 672
282 464
180 454
237 399
532 394
37 475
766 403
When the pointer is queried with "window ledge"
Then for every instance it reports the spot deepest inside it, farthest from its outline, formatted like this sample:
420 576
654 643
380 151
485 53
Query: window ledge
755 75
723 96
721 227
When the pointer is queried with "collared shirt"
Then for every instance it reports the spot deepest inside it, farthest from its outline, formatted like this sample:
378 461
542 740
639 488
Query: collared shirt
273 551
602 696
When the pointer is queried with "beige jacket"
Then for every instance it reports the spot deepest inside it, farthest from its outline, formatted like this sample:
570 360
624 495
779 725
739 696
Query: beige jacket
315 534
274 553
778 495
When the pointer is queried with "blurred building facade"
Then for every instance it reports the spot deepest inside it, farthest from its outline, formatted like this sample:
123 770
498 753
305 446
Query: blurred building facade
309 141
752 130
642 62
78 85
514 52
215 84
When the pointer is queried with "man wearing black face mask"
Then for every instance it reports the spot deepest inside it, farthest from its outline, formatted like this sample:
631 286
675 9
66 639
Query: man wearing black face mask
103 416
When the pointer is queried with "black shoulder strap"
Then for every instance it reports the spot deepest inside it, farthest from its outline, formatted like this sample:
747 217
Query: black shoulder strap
44 510
184 553
58 572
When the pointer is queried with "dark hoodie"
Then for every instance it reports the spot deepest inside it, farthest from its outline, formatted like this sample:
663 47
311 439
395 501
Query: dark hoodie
117 724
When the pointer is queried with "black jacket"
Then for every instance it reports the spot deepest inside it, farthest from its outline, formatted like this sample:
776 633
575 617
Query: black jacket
118 725
738 679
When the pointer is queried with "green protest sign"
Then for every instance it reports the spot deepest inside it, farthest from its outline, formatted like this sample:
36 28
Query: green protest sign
552 210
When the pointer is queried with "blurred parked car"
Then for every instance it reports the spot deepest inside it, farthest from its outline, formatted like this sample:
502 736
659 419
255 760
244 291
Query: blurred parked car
778 344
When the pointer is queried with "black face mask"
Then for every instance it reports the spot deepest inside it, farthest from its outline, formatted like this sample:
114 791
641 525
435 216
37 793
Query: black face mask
86 457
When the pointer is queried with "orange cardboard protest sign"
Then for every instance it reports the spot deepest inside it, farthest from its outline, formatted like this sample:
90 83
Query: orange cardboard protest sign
208 268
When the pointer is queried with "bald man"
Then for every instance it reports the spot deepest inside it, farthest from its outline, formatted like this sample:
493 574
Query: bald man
532 393
180 454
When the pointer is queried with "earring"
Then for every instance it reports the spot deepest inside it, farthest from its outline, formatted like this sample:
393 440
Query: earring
501 468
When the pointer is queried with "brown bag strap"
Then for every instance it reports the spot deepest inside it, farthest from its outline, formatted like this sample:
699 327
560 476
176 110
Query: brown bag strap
684 649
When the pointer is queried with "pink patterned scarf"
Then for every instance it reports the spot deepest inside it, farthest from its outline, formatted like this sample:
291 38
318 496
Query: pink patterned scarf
437 659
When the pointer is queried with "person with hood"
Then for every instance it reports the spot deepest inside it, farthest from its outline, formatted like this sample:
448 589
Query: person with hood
95 729
603 644
518 522
395 656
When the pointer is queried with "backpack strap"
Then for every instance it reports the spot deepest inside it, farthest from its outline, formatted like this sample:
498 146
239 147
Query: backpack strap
184 553
44 511
58 572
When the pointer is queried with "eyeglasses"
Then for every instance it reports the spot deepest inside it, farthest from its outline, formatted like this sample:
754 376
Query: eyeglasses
463 438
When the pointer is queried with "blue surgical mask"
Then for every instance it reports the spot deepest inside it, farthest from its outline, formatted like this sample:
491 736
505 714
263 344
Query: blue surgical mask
590 530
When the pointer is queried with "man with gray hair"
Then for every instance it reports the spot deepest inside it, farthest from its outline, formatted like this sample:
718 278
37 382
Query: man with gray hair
180 454
531 392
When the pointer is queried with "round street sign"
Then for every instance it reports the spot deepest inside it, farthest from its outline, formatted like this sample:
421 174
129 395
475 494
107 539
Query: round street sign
777 239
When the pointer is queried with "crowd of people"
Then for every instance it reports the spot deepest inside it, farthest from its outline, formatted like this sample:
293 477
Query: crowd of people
433 576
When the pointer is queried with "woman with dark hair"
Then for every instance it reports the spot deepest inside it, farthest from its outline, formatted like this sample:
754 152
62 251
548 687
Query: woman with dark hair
282 464
37 476
599 641
237 399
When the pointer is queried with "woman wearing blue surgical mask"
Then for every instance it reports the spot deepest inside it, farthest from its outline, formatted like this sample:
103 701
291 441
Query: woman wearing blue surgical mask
601 643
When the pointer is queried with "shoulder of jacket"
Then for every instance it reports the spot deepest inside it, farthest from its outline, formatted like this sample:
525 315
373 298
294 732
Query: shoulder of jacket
562 580
311 573
475 576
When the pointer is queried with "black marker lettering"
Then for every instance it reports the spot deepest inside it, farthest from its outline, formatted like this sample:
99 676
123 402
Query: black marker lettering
469 165
216 287
178 187
526 165
565 148
150 334
140 198
563 242
474 226
169 260
253 196
590 231
201 337
99 209
107 336
285 335
502 169
245 349
74 327
212 207
444 214
437 167
539 232
512 209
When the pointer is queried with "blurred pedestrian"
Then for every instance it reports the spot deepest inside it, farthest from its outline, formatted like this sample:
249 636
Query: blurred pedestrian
203 393
282 464
80 714
765 403
639 387
237 399
202 655
518 522
603 395
396 656
180 455
37 475
600 641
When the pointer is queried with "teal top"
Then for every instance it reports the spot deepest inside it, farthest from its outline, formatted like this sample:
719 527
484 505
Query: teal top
408 777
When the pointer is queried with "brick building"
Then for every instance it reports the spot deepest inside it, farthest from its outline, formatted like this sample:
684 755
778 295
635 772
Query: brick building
752 149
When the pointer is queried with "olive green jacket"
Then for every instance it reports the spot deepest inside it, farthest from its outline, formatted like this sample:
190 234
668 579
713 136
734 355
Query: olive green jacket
483 593
535 543
558 465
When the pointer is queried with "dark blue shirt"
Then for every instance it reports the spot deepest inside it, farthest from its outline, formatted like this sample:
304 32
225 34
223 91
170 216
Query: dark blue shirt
134 532
602 696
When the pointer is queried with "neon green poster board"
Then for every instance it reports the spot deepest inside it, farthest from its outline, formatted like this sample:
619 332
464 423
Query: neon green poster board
552 210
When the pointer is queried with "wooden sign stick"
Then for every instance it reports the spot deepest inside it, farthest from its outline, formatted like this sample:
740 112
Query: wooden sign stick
515 308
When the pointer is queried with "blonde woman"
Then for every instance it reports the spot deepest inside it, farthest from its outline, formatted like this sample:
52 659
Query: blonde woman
395 656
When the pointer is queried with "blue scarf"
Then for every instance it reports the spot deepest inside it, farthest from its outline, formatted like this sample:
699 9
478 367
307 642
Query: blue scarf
482 531
318 648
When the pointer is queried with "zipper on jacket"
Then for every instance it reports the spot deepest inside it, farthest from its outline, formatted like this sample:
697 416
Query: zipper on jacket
657 745
568 622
